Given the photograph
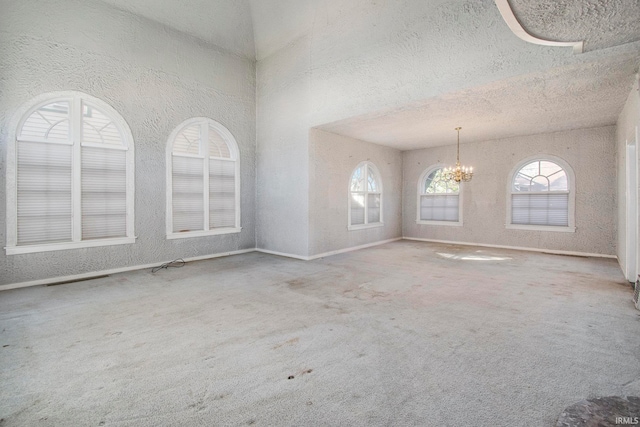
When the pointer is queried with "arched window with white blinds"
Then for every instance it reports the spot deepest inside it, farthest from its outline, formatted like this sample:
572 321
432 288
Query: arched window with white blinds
203 180
542 195
365 197
439 200
69 176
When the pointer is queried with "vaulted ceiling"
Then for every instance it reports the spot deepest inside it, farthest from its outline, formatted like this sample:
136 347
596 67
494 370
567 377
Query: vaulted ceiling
589 92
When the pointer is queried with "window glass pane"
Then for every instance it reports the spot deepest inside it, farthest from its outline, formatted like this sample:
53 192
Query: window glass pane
188 141
48 123
357 180
531 170
521 183
436 184
558 182
357 209
540 183
373 208
548 168
97 128
372 183
217 145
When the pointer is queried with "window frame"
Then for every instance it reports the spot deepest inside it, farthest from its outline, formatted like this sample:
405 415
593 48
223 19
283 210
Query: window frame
421 181
378 176
204 122
571 214
75 100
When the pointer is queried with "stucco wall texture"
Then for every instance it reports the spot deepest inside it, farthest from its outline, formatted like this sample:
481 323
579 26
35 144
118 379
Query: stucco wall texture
333 158
590 153
626 132
155 78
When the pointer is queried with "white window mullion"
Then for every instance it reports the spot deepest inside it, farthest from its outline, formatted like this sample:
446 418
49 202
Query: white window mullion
76 138
204 146
366 195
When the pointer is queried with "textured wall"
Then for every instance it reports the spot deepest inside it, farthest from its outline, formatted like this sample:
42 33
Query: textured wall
628 125
332 160
156 78
283 151
591 154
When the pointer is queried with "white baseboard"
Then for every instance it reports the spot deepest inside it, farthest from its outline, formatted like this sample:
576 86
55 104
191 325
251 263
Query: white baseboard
326 254
515 248
114 271
354 248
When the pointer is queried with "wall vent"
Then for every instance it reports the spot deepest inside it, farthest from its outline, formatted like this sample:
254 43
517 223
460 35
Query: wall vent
636 293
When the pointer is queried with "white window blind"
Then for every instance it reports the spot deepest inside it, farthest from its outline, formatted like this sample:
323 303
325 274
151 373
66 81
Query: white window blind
204 168
104 193
540 209
44 189
439 207
73 170
188 202
222 193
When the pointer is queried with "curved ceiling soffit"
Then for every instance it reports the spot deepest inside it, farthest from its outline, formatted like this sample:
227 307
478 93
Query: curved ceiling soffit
510 18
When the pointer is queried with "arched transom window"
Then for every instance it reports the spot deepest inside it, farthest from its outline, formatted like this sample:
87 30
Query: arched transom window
69 176
365 197
541 195
203 192
438 199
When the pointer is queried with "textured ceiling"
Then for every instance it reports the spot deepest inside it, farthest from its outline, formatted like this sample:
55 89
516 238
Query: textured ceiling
589 93
224 23
586 95
599 23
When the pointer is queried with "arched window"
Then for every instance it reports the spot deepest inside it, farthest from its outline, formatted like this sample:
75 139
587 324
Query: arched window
203 180
438 199
542 195
365 197
69 176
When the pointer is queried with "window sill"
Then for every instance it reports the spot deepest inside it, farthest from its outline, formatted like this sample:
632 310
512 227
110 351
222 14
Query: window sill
203 233
365 226
448 223
28 249
541 228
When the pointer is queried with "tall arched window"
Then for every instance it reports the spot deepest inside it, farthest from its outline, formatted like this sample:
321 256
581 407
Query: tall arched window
203 180
542 195
365 197
438 199
69 176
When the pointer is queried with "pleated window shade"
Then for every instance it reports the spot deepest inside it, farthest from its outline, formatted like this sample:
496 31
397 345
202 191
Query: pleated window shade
203 180
439 207
46 174
44 187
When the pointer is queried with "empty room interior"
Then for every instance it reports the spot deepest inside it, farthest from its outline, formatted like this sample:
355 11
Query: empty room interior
319 212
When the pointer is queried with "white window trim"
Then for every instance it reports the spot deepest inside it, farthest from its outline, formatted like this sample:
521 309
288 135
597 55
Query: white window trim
423 176
366 224
75 103
571 228
235 154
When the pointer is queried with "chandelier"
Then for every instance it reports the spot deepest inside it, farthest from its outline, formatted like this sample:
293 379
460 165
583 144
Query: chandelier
458 173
